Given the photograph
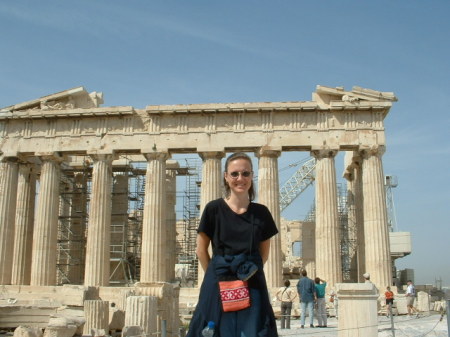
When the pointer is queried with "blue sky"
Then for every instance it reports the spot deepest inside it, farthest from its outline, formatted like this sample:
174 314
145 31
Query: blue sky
141 53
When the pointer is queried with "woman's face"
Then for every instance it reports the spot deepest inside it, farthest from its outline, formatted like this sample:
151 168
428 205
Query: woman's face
239 176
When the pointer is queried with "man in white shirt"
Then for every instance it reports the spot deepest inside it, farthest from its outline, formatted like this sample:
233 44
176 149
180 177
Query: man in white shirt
286 295
410 297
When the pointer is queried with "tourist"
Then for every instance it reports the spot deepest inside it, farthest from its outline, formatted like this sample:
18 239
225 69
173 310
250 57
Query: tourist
335 300
367 278
239 231
321 304
307 294
286 295
410 297
389 295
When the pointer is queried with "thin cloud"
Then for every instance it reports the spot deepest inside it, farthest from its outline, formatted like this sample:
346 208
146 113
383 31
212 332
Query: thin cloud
411 134
221 37
67 19
125 22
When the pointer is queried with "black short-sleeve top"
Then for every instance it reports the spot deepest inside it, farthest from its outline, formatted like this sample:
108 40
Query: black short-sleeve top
231 233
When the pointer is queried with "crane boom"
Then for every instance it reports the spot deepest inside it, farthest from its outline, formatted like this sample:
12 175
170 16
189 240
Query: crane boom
297 183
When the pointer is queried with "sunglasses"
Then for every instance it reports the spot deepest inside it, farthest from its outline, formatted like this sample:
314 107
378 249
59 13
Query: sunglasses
236 174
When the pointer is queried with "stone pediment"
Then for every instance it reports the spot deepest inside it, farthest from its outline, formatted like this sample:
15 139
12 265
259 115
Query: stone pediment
335 96
65 100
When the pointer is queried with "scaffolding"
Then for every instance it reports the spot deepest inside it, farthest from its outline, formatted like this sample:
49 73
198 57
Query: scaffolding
128 190
347 234
347 242
128 199
126 222
135 213
190 199
75 186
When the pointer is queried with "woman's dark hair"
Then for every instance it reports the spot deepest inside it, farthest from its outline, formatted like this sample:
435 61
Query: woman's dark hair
317 280
232 157
287 283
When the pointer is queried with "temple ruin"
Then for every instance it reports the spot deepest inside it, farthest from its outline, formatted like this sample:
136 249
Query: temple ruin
87 195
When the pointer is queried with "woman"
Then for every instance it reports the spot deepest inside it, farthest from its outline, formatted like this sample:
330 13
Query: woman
389 300
238 229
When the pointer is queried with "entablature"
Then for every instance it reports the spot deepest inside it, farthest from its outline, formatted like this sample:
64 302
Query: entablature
70 113
326 121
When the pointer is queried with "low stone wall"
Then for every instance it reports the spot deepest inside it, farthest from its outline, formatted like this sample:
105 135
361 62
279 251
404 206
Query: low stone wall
34 306
44 296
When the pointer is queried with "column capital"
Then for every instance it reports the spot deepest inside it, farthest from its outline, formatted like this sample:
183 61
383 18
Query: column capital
49 156
102 156
352 162
268 151
324 153
156 155
27 159
211 154
6 153
9 159
172 164
366 151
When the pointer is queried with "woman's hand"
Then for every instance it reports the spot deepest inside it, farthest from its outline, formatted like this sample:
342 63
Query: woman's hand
202 250
264 248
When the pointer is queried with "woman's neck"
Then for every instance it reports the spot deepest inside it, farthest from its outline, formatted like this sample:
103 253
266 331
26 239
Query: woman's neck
238 204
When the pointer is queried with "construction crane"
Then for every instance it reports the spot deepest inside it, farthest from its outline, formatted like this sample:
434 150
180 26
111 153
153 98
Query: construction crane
391 182
297 183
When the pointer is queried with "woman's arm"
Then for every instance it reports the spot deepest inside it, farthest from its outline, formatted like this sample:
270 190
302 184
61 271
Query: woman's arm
202 250
264 248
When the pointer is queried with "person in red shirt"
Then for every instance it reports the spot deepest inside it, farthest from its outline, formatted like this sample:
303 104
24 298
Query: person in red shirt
389 300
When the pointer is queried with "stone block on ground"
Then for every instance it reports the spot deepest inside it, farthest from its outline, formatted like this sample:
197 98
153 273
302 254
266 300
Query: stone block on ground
132 331
22 331
400 303
116 319
98 332
60 331
423 301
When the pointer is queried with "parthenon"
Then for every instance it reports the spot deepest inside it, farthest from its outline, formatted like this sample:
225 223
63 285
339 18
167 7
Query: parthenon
47 145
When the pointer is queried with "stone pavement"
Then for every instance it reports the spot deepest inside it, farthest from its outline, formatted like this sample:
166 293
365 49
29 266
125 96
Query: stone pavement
295 329
404 326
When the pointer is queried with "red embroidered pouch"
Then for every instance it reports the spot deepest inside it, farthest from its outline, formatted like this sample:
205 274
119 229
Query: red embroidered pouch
235 295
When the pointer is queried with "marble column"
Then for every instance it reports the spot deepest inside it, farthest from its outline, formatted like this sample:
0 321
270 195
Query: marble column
153 253
269 195
96 313
211 188
171 216
359 218
45 235
142 311
353 174
377 249
328 255
8 193
212 177
23 236
97 267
